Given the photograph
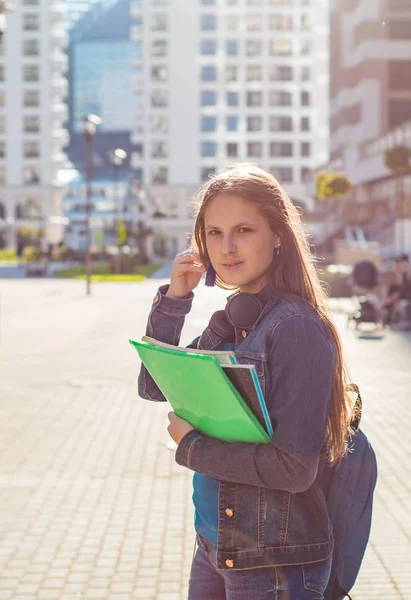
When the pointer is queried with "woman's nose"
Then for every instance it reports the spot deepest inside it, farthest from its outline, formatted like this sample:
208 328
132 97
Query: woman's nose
228 245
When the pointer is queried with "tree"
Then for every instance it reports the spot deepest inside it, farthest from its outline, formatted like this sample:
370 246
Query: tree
121 232
331 185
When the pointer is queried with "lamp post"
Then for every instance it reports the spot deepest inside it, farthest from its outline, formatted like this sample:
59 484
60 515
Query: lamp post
117 157
5 7
90 124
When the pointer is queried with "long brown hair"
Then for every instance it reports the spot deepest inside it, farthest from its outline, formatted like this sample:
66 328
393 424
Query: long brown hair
292 272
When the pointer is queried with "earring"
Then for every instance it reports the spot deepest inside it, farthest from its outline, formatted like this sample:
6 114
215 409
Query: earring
278 249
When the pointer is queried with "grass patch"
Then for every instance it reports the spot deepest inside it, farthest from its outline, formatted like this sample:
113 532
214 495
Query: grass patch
102 273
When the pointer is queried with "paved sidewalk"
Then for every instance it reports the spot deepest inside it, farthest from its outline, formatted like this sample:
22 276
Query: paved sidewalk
92 504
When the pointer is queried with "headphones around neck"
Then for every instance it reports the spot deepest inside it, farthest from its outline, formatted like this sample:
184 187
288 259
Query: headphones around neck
243 310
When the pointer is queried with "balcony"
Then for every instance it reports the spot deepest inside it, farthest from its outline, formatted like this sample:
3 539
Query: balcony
58 12
136 8
137 32
60 86
61 136
59 60
60 111
59 37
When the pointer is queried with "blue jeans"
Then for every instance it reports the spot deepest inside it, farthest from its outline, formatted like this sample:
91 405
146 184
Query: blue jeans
292 582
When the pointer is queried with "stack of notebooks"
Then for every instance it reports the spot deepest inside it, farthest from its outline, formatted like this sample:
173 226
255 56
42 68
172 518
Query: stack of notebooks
217 396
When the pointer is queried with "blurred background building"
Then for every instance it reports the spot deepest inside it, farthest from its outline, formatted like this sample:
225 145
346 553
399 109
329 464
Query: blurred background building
370 113
33 113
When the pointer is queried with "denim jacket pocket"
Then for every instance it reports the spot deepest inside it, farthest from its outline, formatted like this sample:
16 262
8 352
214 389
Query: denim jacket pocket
252 358
316 576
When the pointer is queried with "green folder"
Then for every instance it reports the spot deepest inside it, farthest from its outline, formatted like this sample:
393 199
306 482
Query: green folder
199 392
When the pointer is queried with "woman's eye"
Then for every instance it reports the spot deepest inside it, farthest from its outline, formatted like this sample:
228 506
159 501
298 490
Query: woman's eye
244 229
213 232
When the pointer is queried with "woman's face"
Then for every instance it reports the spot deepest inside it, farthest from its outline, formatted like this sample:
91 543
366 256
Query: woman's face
240 242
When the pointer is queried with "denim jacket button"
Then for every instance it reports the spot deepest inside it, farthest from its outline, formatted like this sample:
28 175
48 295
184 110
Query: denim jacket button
244 333
229 512
229 563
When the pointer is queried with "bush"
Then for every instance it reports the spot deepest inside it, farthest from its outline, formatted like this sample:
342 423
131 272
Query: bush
31 253
7 254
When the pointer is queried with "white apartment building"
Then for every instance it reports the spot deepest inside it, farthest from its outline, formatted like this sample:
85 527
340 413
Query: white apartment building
33 112
223 81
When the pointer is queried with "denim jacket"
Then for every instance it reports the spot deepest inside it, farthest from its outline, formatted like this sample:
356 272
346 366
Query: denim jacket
271 509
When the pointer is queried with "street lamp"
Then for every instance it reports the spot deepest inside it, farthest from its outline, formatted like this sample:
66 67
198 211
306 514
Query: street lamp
5 7
117 157
90 124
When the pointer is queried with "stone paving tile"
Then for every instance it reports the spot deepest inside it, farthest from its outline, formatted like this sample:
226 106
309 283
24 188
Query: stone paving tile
92 503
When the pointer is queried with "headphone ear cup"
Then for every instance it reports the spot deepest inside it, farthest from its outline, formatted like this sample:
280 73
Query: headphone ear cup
221 327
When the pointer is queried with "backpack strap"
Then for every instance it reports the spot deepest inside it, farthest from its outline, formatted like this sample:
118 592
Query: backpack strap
357 410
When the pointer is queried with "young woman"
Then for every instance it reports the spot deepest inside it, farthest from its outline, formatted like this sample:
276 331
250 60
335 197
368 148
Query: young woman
261 520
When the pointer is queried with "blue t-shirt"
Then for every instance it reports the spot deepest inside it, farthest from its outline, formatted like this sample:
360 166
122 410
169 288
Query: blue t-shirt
205 499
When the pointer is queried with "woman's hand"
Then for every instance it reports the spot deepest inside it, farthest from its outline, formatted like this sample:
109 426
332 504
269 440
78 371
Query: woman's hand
178 427
185 274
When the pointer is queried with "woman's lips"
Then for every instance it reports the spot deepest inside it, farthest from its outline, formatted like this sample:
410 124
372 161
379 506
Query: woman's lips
232 266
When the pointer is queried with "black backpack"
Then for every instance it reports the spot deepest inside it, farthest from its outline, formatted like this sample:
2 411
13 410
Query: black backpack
349 490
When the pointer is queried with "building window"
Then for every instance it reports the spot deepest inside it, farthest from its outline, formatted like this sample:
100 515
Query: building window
208 73
159 22
281 47
31 176
281 22
254 149
254 47
159 149
305 22
159 175
30 209
232 47
400 75
281 124
208 47
208 98
254 2
2 182
159 98
207 172
254 22
231 73
283 174
399 30
158 124
2 73
31 73
305 47
208 22
232 98
254 73
159 2
305 124
208 2
30 2
232 150
159 73
31 48
305 174
31 149
2 124
305 98
305 73
208 149
208 124
280 98
305 148
2 150
254 98
31 124
254 123
159 48
399 112
280 73
2 98
31 98
280 2
138 151
31 22
232 22
281 149
232 123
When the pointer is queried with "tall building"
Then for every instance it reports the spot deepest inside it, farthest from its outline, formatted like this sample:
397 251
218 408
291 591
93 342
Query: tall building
223 81
76 9
370 72
370 105
33 112
99 83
